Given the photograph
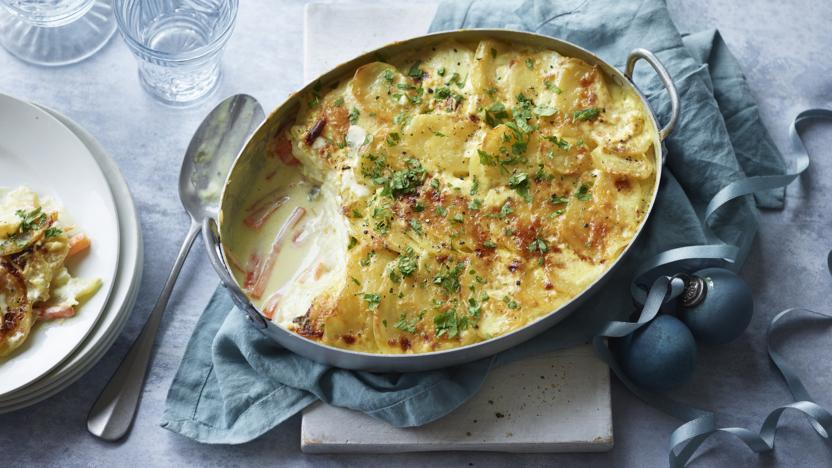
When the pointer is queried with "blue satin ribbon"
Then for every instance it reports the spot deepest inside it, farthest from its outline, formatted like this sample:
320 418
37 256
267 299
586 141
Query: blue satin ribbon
688 437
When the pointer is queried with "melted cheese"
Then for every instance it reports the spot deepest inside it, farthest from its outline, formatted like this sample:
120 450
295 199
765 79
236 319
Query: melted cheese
466 191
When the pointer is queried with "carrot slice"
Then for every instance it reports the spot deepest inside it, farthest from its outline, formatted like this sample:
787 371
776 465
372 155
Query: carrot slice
300 235
251 270
55 312
264 208
78 243
281 147
265 271
270 306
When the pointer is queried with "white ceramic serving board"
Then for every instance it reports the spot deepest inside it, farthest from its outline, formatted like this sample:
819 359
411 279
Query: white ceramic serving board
556 402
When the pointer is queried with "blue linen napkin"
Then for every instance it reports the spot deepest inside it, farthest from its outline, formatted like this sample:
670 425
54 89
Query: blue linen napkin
234 384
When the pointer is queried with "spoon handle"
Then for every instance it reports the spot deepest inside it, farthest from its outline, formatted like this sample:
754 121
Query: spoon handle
112 414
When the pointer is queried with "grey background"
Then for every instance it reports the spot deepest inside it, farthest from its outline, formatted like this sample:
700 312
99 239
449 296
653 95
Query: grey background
784 49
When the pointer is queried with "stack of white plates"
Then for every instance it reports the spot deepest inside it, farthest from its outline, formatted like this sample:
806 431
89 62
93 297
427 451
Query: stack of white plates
49 153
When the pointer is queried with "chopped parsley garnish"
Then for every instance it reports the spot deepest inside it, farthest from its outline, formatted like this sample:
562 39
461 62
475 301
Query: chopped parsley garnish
591 113
475 185
456 79
485 158
52 232
419 207
408 325
551 87
373 300
530 63
541 174
383 217
458 218
395 276
388 76
352 243
506 210
408 262
559 142
474 307
441 210
557 199
416 226
439 134
583 193
449 278
354 114
366 260
539 245
406 181
511 303
316 95
401 119
30 220
434 183
393 139
475 204
495 114
449 324
415 72
338 102
445 93
441 71
489 244
493 53
519 181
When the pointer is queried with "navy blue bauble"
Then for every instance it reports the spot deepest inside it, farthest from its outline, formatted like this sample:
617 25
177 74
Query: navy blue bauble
725 310
660 355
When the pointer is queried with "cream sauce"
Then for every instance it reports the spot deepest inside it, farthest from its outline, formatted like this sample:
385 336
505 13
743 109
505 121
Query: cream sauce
310 253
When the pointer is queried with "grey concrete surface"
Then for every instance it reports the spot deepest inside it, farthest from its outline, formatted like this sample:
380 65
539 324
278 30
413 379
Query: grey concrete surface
784 48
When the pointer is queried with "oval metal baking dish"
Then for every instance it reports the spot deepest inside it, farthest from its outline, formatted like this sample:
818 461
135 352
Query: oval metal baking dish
213 234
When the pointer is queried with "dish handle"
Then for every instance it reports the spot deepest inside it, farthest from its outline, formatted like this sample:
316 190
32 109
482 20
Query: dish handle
211 238
667 81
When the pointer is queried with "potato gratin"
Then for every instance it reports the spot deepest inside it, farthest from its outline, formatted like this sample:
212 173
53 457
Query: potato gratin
443 198
34 282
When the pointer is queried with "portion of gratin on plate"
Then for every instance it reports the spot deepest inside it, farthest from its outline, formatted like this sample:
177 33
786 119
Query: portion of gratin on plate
35 285
443 198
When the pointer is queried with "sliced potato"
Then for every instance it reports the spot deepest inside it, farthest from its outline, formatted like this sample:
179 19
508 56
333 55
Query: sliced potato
68 291
602 217
40 264
16 310
374 87
582 87
439 142
23 239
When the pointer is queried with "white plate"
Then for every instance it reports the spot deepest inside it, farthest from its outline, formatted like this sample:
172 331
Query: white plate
38 151
122 299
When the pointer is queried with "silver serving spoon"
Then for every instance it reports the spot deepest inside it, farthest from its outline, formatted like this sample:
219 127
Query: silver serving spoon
207 161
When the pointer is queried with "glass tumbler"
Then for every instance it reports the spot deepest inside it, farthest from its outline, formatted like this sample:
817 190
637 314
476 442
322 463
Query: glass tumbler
55 32
178 44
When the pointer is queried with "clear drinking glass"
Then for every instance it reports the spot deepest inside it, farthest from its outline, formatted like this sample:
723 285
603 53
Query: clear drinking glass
55 32
178 44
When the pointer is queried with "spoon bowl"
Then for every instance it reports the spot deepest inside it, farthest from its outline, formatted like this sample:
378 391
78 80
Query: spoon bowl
211 153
